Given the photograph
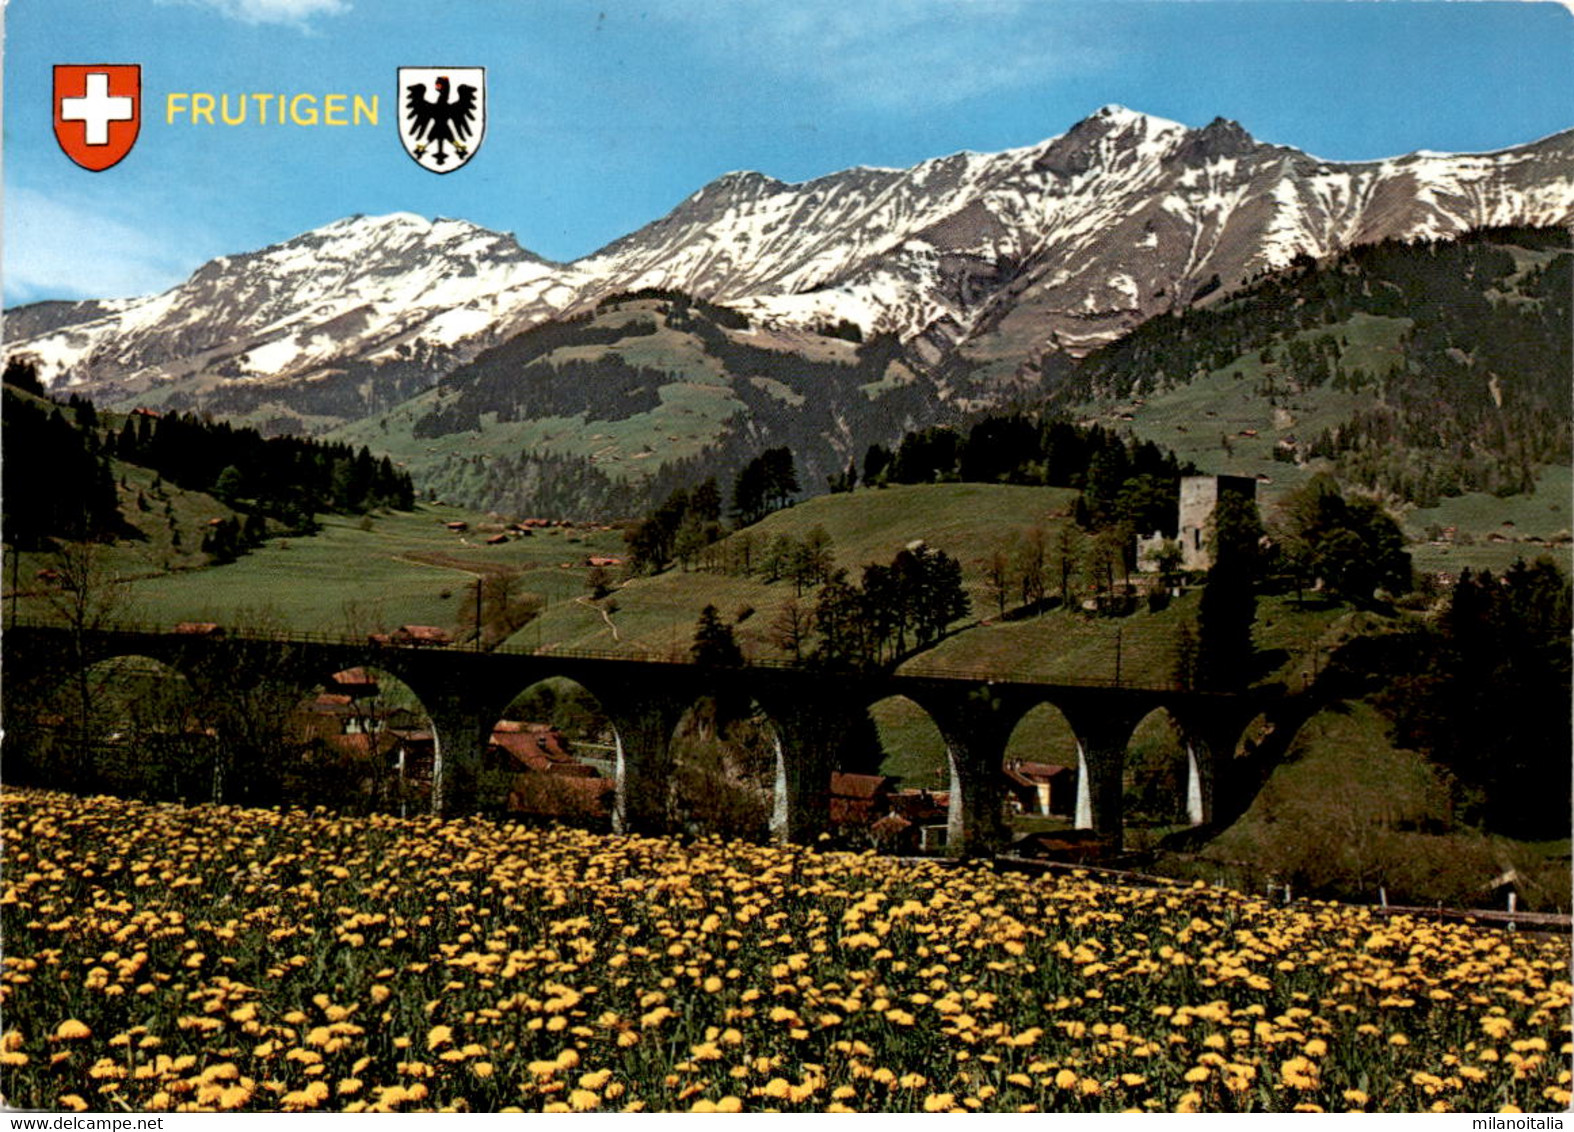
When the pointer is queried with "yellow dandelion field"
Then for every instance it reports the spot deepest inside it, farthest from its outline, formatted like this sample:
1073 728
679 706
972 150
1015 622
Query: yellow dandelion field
203 959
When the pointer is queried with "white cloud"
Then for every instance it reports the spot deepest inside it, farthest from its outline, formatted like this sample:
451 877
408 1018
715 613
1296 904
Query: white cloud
61 248
905 53
296 13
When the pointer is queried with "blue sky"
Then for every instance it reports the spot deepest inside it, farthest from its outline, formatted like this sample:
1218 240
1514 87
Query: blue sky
606 114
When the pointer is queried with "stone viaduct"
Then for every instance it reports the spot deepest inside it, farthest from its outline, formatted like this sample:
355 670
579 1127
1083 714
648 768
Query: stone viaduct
465 693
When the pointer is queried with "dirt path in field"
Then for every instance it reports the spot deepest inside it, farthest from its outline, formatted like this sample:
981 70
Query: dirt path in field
605 616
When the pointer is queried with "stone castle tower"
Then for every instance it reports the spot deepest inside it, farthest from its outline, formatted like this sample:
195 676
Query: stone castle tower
1199 495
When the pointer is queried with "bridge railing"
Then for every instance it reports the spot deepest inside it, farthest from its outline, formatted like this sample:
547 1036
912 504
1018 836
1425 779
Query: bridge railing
920 670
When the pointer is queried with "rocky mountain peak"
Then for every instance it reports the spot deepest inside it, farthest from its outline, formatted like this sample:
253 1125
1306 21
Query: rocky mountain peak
1221 137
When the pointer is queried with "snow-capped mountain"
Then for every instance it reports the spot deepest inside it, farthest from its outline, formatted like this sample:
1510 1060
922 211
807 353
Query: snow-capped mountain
359 287
1060 245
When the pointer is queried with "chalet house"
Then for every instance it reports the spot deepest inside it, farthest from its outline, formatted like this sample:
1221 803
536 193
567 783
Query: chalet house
1074 846
417 635
895 834
357 683
547 780
1041 788
921 807
858 799
538 747
200 629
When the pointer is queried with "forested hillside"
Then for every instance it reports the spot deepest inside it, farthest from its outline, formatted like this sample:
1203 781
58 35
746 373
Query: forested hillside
1440 368
74 474
603 414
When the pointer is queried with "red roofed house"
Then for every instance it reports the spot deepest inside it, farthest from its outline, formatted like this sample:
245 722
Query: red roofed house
547 780
1041 788
858 799
428 635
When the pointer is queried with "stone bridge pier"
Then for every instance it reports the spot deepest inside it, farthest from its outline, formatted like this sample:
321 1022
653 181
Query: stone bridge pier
976 723
643 720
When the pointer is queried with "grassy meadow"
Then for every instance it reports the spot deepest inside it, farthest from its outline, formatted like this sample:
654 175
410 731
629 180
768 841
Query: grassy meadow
358 574
657 614
1347 809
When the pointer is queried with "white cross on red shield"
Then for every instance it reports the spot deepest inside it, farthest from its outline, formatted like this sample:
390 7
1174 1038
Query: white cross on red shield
98 111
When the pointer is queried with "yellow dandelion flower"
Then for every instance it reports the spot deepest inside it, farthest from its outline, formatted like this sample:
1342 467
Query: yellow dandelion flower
74 1103
72 1030
939 1102
440 1036
1496 1026
583 1100
1065 1079
1198 1074
729 1103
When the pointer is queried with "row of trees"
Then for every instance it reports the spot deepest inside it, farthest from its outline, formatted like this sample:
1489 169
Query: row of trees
287 478
1039 451
1484 692
1351 547
765 484
894 609
68 454
687 522
59 480
903 606
684 524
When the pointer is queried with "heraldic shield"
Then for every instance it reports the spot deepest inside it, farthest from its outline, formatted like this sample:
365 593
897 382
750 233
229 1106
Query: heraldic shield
442 115
98 111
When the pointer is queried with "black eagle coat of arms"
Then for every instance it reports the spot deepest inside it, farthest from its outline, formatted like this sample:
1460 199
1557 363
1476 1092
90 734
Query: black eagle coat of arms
442 115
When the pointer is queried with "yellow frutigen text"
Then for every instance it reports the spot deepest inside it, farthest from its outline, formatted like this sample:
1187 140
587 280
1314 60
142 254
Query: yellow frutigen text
201 108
